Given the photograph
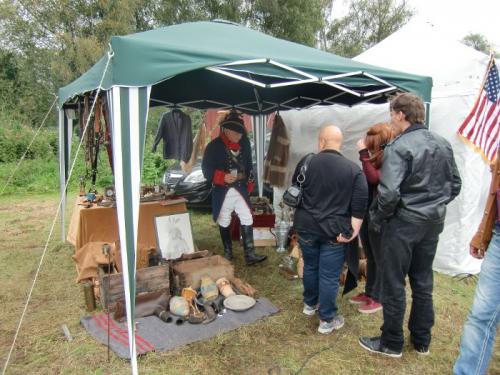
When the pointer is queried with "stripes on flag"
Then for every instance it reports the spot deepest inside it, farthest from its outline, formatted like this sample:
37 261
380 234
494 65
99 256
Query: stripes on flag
481 128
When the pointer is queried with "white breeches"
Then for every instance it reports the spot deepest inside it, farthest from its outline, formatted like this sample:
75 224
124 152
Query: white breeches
234 202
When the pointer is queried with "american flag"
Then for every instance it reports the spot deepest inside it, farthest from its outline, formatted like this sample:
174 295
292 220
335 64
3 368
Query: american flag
482 126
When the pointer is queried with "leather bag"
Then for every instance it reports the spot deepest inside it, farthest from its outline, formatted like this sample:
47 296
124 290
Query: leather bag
293 195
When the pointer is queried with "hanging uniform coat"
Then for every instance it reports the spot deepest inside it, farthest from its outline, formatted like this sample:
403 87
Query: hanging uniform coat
277 154
177 135
218 158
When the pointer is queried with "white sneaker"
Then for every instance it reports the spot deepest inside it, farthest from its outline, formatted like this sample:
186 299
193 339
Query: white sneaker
309 310
328 327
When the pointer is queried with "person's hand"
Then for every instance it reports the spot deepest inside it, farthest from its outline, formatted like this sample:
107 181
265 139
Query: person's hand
475 252
361 144
229 178
342 239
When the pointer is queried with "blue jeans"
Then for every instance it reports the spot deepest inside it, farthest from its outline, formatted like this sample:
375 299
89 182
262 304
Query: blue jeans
479 333
323 262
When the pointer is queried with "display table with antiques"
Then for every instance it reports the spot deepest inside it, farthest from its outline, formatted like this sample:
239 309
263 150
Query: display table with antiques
93 226
99 224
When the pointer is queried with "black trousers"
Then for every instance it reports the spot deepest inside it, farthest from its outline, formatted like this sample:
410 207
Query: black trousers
374 256
409 250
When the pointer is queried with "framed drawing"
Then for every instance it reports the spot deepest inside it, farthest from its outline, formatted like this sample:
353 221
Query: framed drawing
173 235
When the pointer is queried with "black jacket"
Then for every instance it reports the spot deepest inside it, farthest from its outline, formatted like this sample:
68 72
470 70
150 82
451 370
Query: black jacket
418 179
177 135
334 191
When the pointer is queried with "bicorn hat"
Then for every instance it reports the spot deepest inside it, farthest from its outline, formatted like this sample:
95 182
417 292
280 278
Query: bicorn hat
233 122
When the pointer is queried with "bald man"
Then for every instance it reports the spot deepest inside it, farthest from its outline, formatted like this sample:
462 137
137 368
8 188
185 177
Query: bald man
335 195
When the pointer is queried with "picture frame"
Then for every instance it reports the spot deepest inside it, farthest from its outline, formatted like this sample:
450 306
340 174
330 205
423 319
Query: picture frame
174 235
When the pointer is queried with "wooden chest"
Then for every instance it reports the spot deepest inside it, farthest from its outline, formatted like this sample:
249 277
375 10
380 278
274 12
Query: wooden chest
189 272
150 279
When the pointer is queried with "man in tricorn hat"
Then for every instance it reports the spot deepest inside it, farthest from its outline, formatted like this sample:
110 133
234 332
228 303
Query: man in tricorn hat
227 164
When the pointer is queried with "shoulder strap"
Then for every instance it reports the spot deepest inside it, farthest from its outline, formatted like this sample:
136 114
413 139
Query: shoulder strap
306 162
301 177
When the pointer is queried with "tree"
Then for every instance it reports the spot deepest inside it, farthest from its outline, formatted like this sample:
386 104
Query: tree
170 12
294 20
56 41
366 23
478 42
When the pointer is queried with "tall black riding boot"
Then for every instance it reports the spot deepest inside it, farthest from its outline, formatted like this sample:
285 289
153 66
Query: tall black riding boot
247 236
225 235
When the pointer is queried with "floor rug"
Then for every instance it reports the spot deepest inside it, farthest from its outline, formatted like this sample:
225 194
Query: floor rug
155 335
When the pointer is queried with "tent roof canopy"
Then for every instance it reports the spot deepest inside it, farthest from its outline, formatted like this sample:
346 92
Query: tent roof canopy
220 64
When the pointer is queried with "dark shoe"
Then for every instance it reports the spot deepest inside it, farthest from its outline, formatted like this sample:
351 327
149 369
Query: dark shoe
373 345
250 256
422 349
227 242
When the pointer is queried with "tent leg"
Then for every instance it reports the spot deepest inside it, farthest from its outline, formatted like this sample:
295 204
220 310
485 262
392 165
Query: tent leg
259 135
62 171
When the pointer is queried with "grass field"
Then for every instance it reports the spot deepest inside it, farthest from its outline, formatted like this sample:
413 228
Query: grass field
286 343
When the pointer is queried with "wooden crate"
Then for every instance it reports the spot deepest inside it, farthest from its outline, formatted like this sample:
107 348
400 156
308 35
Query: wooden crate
150 279
189 272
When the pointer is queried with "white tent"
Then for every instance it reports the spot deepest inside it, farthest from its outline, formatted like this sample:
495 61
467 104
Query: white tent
457 73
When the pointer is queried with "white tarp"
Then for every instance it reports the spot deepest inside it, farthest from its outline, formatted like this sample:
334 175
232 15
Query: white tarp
457 72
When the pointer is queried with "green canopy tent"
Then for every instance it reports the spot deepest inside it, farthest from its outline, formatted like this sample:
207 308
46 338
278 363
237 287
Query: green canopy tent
209 65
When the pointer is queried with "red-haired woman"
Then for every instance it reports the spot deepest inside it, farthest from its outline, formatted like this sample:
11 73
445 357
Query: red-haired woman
371 153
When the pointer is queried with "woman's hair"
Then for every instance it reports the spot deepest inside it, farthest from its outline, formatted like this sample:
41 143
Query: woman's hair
376 138
411 105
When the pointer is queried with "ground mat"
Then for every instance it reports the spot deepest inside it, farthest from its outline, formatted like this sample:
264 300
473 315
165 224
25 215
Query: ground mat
155 335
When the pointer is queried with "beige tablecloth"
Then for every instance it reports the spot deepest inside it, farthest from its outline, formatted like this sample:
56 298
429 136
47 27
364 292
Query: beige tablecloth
99 224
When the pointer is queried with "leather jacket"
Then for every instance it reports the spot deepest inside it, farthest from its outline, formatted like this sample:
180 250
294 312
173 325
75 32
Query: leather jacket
418 179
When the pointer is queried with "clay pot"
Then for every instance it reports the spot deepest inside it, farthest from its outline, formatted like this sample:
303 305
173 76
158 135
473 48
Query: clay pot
225 287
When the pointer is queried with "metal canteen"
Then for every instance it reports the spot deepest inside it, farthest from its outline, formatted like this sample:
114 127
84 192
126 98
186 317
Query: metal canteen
281 233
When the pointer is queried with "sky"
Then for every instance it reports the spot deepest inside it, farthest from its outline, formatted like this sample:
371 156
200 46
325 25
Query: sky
461 17
457 18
